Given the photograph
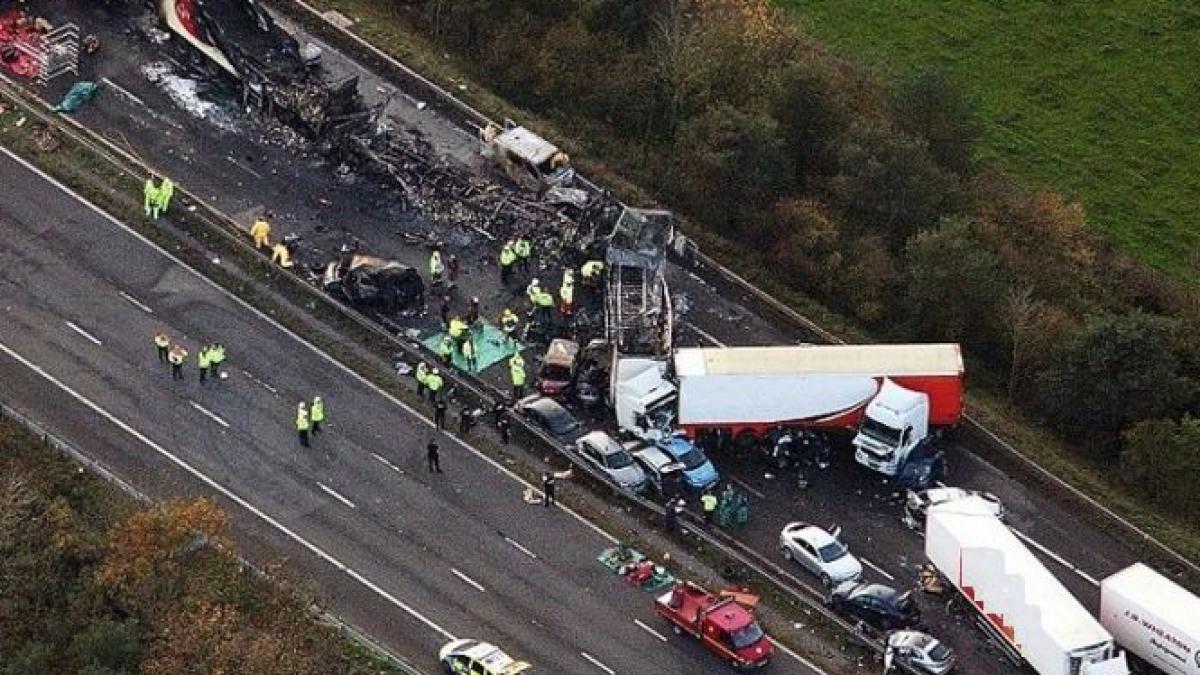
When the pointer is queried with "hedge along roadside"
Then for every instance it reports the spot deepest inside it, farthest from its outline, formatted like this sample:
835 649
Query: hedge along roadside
212 229
986 441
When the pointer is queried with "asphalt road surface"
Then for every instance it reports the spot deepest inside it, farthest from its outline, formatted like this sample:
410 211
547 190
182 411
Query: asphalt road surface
412 557
239 165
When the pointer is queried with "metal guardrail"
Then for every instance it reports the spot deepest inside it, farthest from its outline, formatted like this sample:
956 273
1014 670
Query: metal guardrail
465 115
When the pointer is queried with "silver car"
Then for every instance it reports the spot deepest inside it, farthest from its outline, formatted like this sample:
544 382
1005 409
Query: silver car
612 459
820 552
921 652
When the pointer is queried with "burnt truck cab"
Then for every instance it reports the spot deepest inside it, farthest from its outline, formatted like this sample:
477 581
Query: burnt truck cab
557 372
526 158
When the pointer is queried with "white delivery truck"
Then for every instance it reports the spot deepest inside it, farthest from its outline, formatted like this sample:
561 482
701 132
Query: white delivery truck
1153 618
1017 601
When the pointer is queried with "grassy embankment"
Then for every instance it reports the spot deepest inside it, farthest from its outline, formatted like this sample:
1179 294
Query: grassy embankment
386 28
66 537
1093 99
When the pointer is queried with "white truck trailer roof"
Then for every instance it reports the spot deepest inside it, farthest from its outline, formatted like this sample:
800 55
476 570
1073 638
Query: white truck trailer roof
1153 617
768 399
986 561
872 360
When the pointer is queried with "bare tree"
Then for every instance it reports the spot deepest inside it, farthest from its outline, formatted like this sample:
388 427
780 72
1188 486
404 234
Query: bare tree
1022 311
15 500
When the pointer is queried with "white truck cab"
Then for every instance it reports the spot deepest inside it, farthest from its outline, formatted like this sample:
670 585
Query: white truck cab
643 398
895 421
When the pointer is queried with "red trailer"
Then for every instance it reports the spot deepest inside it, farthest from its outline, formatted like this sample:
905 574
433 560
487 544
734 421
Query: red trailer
726 628
818 387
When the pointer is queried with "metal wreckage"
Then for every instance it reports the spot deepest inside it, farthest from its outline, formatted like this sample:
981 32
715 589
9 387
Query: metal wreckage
570 220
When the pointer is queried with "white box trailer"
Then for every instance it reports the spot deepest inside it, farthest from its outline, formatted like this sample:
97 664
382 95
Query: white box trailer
1017 600
1153 618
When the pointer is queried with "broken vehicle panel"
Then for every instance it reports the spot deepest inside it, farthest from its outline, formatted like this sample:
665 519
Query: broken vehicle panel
638 304
374 282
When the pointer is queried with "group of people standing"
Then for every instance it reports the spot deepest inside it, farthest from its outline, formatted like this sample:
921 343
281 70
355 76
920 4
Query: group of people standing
208 359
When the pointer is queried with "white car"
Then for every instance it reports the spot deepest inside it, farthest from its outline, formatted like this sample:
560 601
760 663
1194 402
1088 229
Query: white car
820 552
919 651
476 657
916 504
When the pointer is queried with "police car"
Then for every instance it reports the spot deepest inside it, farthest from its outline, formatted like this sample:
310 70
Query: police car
475 657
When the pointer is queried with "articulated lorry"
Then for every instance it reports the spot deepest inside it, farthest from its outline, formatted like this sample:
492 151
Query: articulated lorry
1016 600
1153 618
893 396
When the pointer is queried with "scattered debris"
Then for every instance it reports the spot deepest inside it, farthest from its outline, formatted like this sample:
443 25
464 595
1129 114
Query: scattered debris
44 138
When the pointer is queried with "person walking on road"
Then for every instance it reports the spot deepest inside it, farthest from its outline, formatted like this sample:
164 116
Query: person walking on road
261 232
508 258
162 344
302 424
709 504
434 383
547 489
436 268
505 428
150 198
432 458
422 375
516 371
468 351
203 362
509 323
216 356
439 415
165 192
316 414
524 250
176 356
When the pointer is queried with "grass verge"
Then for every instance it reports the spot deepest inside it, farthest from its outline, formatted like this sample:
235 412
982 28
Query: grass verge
1095 100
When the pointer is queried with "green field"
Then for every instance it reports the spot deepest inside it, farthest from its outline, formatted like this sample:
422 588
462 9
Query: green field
1100 101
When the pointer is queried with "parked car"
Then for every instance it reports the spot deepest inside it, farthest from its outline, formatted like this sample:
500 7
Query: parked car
612 459
917 504
475 657
919 651
926 464
881 607
663 473
548 414
697 470
820 552
557 372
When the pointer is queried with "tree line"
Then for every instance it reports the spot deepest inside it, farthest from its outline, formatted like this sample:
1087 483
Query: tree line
90 584
864 193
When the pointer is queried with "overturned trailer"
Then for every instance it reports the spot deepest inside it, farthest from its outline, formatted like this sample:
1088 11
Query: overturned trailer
638 316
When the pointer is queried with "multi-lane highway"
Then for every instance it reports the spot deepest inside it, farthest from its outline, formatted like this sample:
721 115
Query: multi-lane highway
412 557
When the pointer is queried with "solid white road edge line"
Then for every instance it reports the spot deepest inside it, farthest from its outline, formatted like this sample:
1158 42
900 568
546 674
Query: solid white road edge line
877 568
333 493
135 302
229 494
517 545
209 413
1054 556
591 659
807 664
286 331
478 586
84 333
650 630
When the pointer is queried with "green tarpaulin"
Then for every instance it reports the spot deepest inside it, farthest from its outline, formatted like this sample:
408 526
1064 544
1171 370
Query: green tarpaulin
490 347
